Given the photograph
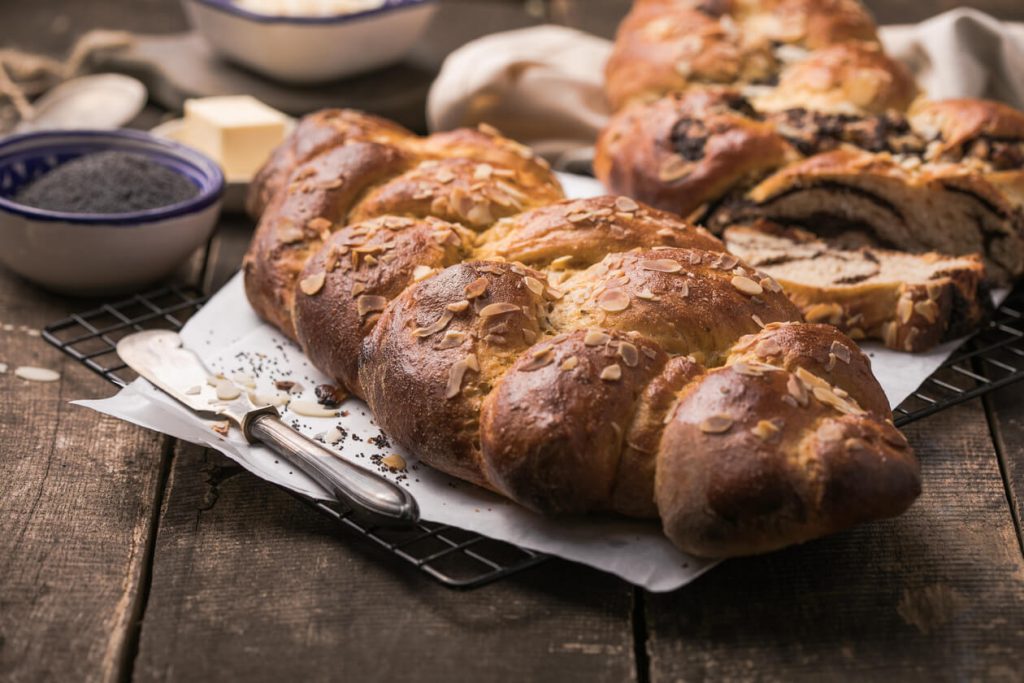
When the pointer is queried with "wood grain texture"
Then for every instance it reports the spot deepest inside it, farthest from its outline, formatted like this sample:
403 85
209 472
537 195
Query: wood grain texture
77 494
937 594
1006 415
250 584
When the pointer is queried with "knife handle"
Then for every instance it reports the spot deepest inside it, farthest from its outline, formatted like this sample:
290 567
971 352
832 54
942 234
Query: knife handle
371 496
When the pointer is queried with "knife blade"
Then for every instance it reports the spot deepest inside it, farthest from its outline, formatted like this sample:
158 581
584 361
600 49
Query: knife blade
161 358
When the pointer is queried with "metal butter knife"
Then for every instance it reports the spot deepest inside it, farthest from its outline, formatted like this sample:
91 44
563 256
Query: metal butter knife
160 357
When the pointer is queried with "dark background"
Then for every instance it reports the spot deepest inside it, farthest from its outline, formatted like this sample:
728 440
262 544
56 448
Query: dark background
52 25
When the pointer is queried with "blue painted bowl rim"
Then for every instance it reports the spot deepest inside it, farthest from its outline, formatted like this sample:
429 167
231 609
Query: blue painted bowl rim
228 7
210 191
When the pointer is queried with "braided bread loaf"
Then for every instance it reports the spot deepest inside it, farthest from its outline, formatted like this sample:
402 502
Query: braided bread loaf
573 355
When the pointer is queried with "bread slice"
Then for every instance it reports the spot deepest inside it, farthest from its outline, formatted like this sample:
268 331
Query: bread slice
911 302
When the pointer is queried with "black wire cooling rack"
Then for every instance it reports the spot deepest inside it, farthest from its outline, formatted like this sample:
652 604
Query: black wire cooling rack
455 557
991 359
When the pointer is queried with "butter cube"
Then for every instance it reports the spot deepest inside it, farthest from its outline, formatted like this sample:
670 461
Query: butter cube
238 131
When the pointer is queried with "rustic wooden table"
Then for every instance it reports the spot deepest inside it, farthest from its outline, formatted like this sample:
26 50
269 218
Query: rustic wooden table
125 554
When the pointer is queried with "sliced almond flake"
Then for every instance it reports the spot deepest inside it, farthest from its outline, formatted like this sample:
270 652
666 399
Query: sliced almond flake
458 306
905 309
483 172
646 295
434 327
491 268
746 285
561 261
629 353
421 272
661 265
570 363
36 374
192 391
538 359
626 204
312 284
812 380
451 339
684 289
311 409
745 368
650 353
517 269
771 285
371 260
472 363
757 320
765 429
797 390
611 373
226 390
357 289
829 397
716 424
927 310
455 376
499 308
368 303
332 184
476 288
291 234
529 336
534 285
596 338
695 258
260 399
393 461
222 427
613 301
318 224
769 347
243 379
727 261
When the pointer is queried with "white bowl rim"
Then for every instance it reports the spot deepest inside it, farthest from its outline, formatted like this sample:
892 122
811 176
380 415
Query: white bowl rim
229 7
209 193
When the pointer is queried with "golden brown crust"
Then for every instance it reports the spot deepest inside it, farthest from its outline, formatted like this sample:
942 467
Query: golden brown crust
316 201
553 428
550 386
578 233
958 123
852 78
744 464
356 273
684 151
664 47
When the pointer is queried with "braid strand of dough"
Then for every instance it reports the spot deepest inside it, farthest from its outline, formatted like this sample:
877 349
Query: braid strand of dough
575 356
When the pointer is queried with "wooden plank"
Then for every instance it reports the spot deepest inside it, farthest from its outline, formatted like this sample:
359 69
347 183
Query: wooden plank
1006 415
78 498
250 584
935 595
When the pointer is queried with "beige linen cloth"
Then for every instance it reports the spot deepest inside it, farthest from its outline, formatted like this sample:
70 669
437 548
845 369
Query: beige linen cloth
543 85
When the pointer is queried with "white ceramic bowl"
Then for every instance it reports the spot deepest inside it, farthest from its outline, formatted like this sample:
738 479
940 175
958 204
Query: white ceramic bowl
311 49
99 254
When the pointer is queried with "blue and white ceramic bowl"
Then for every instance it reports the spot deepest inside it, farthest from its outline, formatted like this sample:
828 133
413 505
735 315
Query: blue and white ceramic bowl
311 49
93 254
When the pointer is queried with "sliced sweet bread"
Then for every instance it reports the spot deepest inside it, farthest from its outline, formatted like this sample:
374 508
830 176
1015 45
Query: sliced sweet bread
911 302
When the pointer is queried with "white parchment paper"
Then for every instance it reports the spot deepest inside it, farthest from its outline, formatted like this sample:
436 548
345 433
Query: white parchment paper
229 338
